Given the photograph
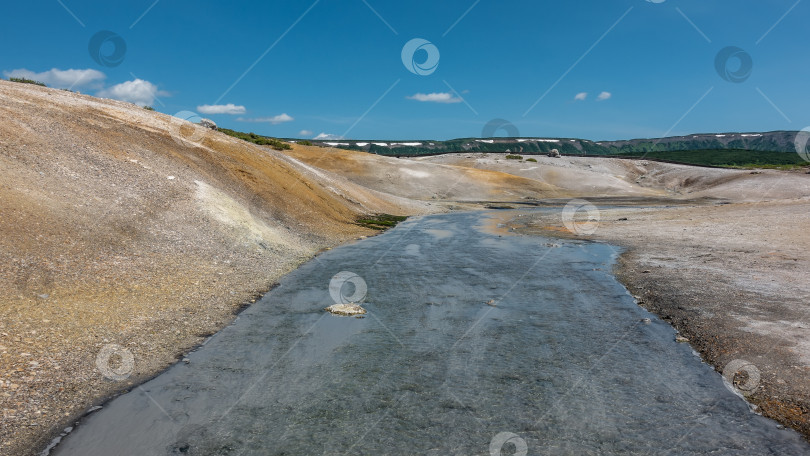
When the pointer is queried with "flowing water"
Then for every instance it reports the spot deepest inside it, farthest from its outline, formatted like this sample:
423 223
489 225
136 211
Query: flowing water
473 344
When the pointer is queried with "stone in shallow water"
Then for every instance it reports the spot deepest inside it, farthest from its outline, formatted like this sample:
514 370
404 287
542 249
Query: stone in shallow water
346 309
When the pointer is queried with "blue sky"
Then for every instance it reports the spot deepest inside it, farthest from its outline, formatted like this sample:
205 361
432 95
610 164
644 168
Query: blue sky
599 69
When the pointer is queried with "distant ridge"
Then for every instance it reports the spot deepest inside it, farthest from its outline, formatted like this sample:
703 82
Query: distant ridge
775 141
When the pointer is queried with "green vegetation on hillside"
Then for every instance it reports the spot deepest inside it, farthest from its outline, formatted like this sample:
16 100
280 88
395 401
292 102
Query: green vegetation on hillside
257 139
731 158
27 81
778 141
381 221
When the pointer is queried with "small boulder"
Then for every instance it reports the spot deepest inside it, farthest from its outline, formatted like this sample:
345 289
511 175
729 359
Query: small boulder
554 153
346 310
208 123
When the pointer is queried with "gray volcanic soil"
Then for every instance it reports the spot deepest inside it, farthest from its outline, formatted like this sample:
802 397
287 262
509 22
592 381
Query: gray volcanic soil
731 278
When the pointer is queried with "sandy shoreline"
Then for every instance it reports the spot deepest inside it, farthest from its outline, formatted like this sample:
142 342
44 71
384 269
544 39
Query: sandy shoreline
730 278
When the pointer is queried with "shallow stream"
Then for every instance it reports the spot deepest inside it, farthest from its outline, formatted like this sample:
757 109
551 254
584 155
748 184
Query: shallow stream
473 344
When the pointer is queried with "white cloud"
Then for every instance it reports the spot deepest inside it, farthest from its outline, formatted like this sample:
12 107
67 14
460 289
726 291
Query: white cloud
229 108
435 98
604 96
139 92
62 79
275 120
327 136
581 96
305 133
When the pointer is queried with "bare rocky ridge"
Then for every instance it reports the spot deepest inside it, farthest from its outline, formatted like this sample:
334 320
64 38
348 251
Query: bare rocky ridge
781 141
115 230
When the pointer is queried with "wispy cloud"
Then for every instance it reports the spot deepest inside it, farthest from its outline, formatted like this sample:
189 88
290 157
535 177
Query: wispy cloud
581 96
138 91
328 136
229 108
305 133
442 97
604 96
62 79
275 120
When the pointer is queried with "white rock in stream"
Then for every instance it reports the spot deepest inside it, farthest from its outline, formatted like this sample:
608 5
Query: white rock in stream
346 309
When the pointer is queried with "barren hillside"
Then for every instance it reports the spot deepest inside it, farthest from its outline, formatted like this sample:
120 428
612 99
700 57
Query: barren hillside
611 177
113 232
